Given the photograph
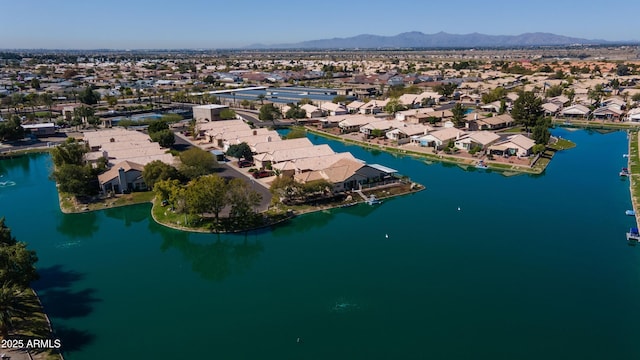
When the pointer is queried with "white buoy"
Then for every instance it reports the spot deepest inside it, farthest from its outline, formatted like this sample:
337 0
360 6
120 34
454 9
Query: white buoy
458 208
298 340
386 236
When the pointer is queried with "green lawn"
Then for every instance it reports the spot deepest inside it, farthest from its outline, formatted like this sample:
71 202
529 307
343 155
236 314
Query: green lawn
562 144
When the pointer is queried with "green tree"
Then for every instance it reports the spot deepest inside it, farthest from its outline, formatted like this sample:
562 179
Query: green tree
538 148
622 70
69 152
35 83
11 129
165 138
17 263
527 109
206 194
111 100
635 97
227 114
196 162
445 89
13 304
494 95
269 112
458 111
240 151
541 134
75 179
596 94
172 191
554 90
243 201
157 125
89 96
393 106
295 112
157 171
570 93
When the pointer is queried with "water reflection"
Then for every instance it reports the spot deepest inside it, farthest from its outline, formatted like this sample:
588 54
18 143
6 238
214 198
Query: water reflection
82 225
129 214
214 260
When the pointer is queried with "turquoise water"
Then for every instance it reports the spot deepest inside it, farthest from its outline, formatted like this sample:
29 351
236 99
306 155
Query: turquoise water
531 267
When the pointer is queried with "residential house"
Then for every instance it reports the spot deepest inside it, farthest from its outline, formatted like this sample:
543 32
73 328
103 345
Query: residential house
278 156
354 122
633 114
495 122
373 107
354 106
334 109
347 174
439 139
551 109
515 145
575 111
404 134
479 139
380 127
493 107
470 99
311 110
271 146
125 176
296 166
610 112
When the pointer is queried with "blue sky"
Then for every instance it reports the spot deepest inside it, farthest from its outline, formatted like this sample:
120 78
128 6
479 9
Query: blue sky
145 24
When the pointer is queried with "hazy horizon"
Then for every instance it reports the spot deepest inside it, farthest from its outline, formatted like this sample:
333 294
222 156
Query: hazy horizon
198 24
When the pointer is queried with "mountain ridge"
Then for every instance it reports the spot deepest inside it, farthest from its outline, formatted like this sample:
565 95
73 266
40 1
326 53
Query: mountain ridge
417 39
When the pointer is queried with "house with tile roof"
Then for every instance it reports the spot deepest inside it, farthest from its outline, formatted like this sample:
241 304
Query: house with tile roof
123 177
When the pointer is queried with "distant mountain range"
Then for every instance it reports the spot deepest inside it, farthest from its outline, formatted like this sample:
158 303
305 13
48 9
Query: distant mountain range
416 39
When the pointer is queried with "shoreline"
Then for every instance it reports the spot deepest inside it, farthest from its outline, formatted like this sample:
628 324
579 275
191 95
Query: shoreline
294 213
632 159
443 158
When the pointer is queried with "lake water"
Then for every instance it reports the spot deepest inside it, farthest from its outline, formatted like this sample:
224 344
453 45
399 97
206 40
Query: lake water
530 267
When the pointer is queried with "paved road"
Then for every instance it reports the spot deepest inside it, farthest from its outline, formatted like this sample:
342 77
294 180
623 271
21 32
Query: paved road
230 171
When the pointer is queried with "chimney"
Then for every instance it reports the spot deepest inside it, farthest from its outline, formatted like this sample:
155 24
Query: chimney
255 132
458 136
475 116
268 138
105 154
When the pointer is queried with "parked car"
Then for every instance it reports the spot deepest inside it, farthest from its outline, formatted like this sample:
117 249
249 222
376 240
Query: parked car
262 174
245 163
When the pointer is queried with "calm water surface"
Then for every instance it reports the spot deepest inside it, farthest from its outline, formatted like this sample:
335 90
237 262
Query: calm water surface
531 267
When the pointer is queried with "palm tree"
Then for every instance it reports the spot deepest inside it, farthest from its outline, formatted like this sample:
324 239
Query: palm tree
12 305
261 97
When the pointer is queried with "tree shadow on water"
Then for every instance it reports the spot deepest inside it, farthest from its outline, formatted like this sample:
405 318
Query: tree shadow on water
56 277
61 300
218 259
73 339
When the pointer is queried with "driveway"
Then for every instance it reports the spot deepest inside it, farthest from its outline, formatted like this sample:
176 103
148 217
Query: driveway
229 170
